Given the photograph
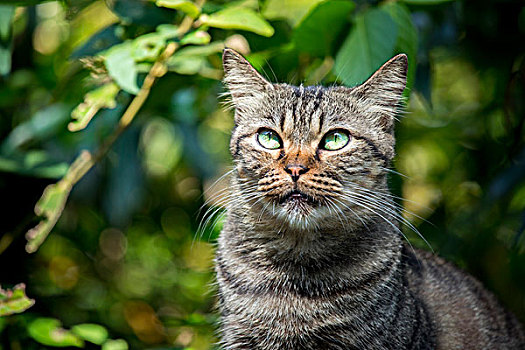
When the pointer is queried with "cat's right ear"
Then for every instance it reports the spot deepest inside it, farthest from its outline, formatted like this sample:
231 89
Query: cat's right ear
245 84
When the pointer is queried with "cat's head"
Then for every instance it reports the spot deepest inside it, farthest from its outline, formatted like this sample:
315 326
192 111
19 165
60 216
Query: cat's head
312 156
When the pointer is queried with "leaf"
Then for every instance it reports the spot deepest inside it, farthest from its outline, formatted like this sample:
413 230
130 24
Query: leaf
369 44
425 2
14 301
291 10
185 6
102 97
238 18
198 37
147 47
48 331
43 124
90 332
33 163
53 200
7 13
115 344
407 39
121 67
187 65
142 13
168 31
319 29
100 41
190 60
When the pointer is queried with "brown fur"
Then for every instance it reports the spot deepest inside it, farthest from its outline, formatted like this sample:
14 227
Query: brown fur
316 260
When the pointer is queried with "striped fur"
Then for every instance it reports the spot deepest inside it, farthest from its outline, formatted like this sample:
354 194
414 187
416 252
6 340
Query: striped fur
329 269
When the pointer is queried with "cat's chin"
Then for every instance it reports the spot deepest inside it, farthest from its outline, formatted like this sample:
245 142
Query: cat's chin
299 211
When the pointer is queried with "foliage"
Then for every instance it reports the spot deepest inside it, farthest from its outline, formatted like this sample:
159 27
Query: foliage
109 115
14 301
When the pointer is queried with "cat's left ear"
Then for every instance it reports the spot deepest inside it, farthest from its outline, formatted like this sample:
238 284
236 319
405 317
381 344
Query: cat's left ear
245 84
382 93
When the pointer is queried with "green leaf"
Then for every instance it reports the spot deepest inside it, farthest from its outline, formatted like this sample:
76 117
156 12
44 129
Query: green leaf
33 163
198 37
238 18
102 97
91 332
319 29
115 344
291 10
14 301
425 2
42 125
185 6
407 39
50 206
187 65
190 60
168 31
48 331
121 67
7 13
369 44
52 202
147 47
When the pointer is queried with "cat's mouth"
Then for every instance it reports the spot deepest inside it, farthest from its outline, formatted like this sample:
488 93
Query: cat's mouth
297 197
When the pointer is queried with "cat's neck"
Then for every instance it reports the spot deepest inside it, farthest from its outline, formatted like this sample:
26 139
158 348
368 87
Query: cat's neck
322 246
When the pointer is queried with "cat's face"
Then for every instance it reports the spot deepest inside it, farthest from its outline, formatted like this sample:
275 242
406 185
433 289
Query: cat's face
308 155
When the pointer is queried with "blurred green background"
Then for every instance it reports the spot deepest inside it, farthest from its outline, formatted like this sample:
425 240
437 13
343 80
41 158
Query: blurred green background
127 266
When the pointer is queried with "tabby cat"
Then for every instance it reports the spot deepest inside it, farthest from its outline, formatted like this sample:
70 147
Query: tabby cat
311 256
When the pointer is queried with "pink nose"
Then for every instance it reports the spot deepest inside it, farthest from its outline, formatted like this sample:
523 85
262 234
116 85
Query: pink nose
295 170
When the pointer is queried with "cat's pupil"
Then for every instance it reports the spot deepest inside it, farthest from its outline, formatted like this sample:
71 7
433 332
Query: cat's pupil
335 140
269 139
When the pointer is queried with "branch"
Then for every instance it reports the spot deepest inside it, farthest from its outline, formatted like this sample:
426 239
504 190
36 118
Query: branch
53 200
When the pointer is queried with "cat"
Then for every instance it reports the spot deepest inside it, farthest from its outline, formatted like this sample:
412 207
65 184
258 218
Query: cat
310 255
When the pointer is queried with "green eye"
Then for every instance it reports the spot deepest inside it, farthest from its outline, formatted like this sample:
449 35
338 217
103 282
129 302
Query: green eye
269 139
335 140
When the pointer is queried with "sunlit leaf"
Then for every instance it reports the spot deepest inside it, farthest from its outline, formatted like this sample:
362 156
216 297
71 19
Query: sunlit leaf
90 332
121 67
52 202
102 97
190 60
147 47
14 301
199 37
238 18
185 6
115 344
369 44
319 29
168 30
291 10
187 65
48 331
